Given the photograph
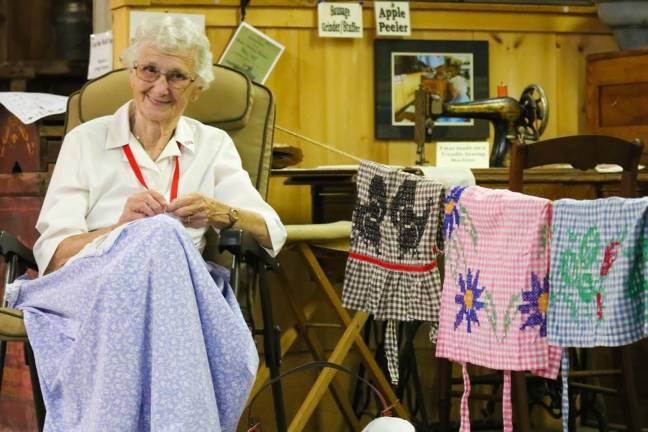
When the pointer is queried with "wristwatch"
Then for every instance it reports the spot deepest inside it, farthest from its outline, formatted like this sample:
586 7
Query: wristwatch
234 215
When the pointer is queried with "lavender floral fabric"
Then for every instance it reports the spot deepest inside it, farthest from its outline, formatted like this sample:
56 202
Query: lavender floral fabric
145 337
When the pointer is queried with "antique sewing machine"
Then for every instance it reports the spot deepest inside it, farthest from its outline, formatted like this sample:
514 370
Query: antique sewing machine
523 119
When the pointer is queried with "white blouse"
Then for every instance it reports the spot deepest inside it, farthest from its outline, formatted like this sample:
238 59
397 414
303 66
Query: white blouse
92 179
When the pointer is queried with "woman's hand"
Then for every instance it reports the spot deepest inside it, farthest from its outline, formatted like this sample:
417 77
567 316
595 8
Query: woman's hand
141 205
197 211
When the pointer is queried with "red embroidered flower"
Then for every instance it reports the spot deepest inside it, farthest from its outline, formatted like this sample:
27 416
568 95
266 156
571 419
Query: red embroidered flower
611 252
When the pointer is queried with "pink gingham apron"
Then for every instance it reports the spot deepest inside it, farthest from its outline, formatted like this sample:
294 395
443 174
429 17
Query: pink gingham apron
495 291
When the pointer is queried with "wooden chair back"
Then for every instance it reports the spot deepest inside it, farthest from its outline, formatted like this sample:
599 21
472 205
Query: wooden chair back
582 152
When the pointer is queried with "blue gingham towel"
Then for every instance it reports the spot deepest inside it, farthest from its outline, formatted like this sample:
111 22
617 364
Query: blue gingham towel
599 265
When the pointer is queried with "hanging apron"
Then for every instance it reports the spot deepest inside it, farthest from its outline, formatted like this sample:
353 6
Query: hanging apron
392 270
599 266
495 291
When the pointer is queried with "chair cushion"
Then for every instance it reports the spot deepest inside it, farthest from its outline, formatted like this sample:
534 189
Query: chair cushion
226 103
12 327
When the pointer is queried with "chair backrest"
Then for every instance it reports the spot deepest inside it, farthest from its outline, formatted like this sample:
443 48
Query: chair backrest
582 152
232 102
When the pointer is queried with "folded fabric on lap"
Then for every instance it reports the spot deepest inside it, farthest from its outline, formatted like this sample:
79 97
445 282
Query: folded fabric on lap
143 335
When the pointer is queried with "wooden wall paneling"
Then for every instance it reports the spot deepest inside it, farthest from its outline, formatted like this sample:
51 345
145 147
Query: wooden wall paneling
571 94
219 38
571 51
520 59
314 96
4 29
38 21
349 87
120 28
30 30
287 83
324 87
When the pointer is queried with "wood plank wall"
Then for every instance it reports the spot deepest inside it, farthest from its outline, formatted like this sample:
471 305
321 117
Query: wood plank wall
324 87
26 31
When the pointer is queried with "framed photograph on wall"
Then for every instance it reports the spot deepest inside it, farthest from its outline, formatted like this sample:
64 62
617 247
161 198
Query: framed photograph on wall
456 70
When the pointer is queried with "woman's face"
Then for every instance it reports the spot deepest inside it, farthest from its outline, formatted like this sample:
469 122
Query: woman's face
161 101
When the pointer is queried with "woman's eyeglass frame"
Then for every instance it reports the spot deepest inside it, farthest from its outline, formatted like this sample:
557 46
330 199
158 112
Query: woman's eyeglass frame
172 81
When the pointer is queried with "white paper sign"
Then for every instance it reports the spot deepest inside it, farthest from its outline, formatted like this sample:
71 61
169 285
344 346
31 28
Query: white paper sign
462 154
340 20
252 53
136 18
392 18
100 54
29 107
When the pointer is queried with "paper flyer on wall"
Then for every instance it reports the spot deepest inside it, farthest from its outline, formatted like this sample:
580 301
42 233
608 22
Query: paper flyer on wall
101 51
252 52
30 107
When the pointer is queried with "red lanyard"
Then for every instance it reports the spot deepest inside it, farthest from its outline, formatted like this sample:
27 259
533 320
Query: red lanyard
138 172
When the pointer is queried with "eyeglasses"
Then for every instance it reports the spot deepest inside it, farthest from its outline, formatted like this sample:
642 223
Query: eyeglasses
175 78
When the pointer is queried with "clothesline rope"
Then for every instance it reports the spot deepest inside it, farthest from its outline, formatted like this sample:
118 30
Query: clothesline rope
317 143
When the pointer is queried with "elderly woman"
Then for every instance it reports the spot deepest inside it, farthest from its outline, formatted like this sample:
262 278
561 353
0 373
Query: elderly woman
131 329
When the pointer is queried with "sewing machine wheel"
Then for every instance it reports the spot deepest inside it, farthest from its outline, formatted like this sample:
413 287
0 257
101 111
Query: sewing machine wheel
534 112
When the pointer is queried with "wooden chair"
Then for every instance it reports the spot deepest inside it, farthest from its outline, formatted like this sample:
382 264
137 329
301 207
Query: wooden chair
584 152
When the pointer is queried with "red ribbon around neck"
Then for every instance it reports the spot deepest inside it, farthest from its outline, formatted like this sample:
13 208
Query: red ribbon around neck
138 172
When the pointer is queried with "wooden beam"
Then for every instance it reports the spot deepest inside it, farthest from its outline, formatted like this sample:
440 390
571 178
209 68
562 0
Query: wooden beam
425 16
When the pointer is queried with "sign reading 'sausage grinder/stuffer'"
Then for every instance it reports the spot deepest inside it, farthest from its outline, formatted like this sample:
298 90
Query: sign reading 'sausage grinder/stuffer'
392 18
341 20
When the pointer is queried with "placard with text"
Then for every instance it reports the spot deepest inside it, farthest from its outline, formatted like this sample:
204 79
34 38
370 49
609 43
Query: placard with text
101 54
457 154
392 18
339 20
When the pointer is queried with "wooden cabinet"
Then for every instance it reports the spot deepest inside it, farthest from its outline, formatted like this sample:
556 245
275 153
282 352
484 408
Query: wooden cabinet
617 95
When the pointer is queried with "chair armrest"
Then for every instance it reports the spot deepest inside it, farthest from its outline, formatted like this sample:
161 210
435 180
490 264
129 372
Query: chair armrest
11 246
12 327
244 246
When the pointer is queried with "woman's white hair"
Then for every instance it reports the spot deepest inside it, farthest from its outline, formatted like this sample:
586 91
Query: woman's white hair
174 35
460 84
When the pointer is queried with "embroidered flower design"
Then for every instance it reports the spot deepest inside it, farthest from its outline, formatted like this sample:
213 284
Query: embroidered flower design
638 284
536 304
451 215
468 299
610 254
